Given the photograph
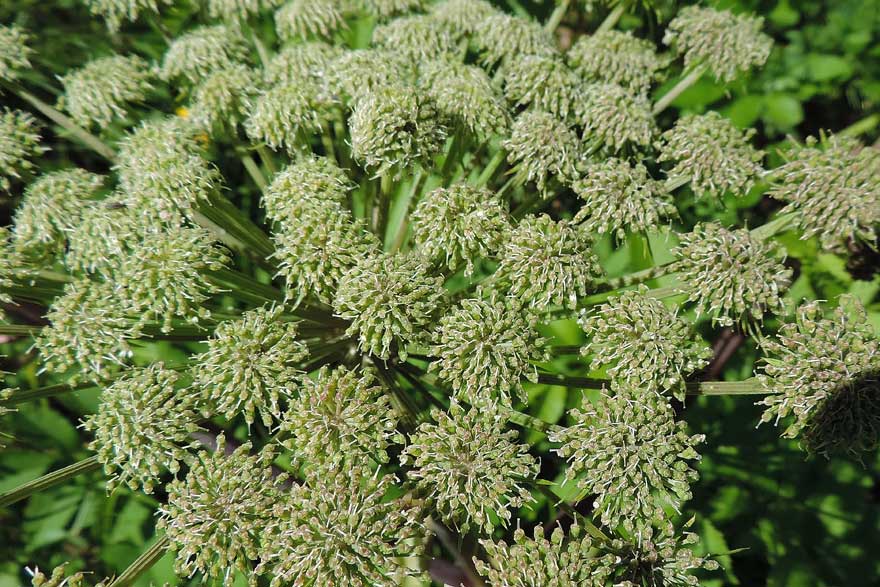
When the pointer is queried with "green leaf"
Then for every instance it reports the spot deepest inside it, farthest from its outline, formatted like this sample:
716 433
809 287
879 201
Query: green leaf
783 15
130 523
828 67
745 111
783 111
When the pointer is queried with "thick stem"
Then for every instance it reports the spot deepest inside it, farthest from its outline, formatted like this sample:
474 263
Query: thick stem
747 387
49 480
673 183
402 403
254 171
556 16
20 329
27 395
143 563
861 127
527 421
612 18
223 213
490 169
396 233
774 227
683 84
245 287
87 138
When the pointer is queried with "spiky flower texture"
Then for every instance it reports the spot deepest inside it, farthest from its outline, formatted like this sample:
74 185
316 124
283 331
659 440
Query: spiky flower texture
823 375
632 455
248 367
143 427
643 344
360 260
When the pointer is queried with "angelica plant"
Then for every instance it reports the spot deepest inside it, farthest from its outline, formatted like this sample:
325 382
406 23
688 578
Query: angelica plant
322 270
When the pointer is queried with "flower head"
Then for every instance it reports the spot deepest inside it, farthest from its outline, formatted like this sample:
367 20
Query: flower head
620 197
712 154
248 366
216 517
458 225
340 419
161 172
201 51
340 529
559 561
311 181
358 74
163 276
614 57
220 100
97 93
643 343
104 233
731 275
548 263
834 189
470 466
543 83
385 9
286 115
88 332
660 557
485 348
632 456
143 427
236 11
311 60
318 246
728 44
116 11
19 142
308 18
389 299
462 17
51 209
501 37
542 147
824 373
14 52
464 95
393 128
615 118
418 38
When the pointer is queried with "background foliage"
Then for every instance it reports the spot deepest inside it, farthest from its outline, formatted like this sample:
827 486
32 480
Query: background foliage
785 519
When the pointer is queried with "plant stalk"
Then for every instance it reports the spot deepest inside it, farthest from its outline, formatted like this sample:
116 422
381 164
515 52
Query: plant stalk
557 16
612 18
49 480
683 84
143 563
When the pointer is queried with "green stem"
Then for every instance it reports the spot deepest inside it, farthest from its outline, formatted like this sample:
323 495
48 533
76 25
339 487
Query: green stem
87 138
612 18
451 157
143 563
267 158
403 404
747 387
683 84
528 421
556 16
245 287
395 236
673 183
49 480
564 349
774 227
490 169
861 127
254 171
27 395
227 216
20 329
637 277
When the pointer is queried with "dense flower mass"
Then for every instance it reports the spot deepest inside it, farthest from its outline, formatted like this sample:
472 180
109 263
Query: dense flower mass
326 263
824 375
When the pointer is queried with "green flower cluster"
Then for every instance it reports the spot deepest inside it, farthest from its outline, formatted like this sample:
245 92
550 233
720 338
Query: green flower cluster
320 276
